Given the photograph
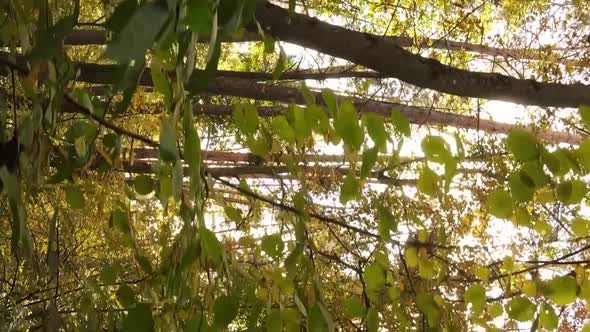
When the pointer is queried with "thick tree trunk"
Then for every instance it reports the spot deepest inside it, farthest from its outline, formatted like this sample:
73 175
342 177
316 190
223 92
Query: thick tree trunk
392 60
105 74
99 37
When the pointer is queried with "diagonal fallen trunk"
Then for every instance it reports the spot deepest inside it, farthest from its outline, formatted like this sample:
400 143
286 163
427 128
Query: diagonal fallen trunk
392 60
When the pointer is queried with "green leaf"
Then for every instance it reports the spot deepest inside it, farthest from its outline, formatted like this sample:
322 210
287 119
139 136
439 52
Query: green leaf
49 41
400 123
350 189
411 256
307 95
521 309
426 268
126 296
198 16
376 130
374 276
428 182
436 149
476 295
571 192
269 44
161 83
347 126
315 319
580 227
212 248
75 197
121 15
353 308
586 328
522 187
282 128
330 101
534 171
120 220
372 320
585 114
522 145
246 118
274 323
425 302
495 310
139 319
168 150
233 214
108 275
225 310
547 317
584 153
369 160
561 290
138 34
500 204
281 63
273 245
386 223
143 184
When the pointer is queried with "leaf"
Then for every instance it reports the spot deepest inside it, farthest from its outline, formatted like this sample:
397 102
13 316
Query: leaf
274 323
495 310
436 149
48 41
233 214
369 160
246 118
374 277
500 204
584 153
315 319
411 257
168 150
282 128
386 223
121 15
198 16
428 182
161 83
126 296
561 290
225 309
534 171
307 95
143 184
522 145
547 317
476 295
376 130
273 245
120 219
108 275
138 34
425 302
350 189
330 101
347 126
580 227
585 114
400 123
372 320
281 63
75 197
212 248
353 308
521 309
571 192
139 319
426 268
522 187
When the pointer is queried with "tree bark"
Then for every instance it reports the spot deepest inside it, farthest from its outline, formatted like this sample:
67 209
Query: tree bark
105 74
99 37
392 60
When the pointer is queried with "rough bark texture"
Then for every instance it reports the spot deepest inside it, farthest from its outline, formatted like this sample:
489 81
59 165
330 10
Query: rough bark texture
105 74
99 37
392 60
